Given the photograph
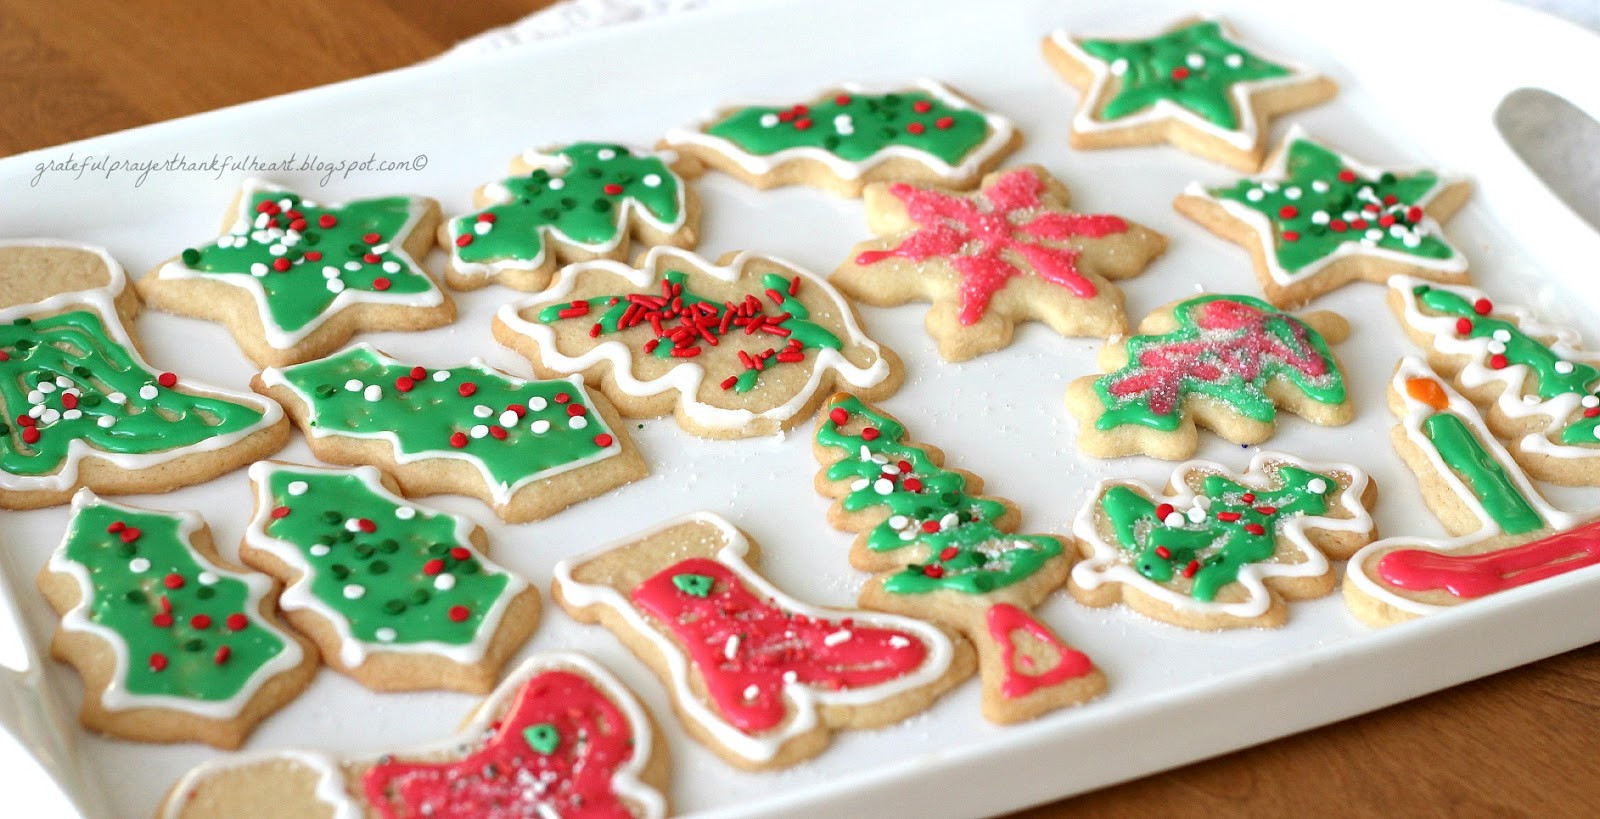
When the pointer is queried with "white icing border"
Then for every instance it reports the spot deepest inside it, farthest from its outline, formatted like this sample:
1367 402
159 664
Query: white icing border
501 492
297 596
1000 133
115 697
687 376
102 301
333 791
282 339
803 700
1110 564
548 159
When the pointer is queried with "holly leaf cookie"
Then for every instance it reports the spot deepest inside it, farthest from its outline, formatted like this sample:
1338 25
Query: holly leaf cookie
942 552
1221 550
559 737
1009 252
1226 363
1316 220
1193 86
397 595
526 448
744 347
570 204
848 136
79 405
759 677
294 279
173 644
1506 533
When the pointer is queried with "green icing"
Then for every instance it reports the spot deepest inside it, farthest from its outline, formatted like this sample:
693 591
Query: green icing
1219 544
128 580
1226 348
387 564
1485 476
585 204
698 585
321 258
439 412
967 552
93 396
855 126
1385 212
1195 67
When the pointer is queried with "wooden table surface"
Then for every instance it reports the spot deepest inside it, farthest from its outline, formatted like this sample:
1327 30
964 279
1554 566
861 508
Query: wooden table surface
1523 741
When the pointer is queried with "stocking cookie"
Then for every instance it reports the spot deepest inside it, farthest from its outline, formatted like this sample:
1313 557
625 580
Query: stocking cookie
744 347
1009 252
293 279
527 448
560 737
398 596
1541 389
80 407
943 552
1226 363
1507 534
1193 86
1220 550
173 644
569 204
759 677
1316 220
849 136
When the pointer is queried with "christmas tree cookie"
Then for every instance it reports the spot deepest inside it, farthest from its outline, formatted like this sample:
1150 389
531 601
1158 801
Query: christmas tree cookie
1506 534
560 737
396 595
1226 363
759 677
1009 252
1220 550
173 644
294 280
849 136
569 204
1541 390
527 448
744 347
79 405
942 552
1192 86
1316 220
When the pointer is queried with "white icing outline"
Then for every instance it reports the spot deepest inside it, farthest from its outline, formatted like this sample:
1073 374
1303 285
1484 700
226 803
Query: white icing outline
687 376
501 492
1000 133
278 337
1277 171
102 301
1111 564
331 786
548 159
115 697
803 700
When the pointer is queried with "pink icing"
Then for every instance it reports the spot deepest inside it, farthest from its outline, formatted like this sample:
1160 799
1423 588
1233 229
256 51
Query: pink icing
1470 576
1004 620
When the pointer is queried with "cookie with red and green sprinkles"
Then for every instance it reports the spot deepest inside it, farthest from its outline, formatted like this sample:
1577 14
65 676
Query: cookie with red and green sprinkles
570 203
173 644
397 595
848 136
526 448
1318 219
294 279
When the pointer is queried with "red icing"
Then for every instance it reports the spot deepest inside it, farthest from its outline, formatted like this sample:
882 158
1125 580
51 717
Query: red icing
770 642
1471 576
508 778
1004 620
978 240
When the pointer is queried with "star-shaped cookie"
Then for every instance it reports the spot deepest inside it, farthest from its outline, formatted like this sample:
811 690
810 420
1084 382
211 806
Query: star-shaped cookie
1009 252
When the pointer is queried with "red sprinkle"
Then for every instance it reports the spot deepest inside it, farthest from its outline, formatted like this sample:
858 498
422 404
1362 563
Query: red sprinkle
405 383
366 525
460 553
417 373
467 388
1248 497
922 106
1347 176
498 433
162 620
458 440
327 220
281 264
313 255
915 127
838 415
30 435
1255 528
1189 570
912 484
487 217
944 123
116 527
200 621
1164 553
1414 214
1180 73
463 240
433 566
130 534
576 410
380 283
1267 510
459 613
1227 517
237 622
158 661
603 440
562 398
222 655
802 124
1482 307
280 512
371 258
930 526
1163 510
1288 212
173 581
1498 361
1338 226
842 99
167 380
371 238
1291 236
612 189
869 434
948 552
933 570
1463 325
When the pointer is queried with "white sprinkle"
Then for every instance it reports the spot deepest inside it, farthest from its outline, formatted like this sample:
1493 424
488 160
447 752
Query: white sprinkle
336 285
508 419
352 265
444 582
258 269
47 387
148 392
1590 401
898 522
1203 502
354 592
394 266
261 220
441 375
297 487
1173 519
1195 60
540 426
836 637
898 642
49 416
1374 234
536 403
482 411
1502 335
1119 67
1412 239
330 272
1319 186
35 397
385 634
751 692
556 184
578 422
844 124
63 381
883 486
1254 195
860 484
1564 367
730 649
769 120
949 521
405 512
352 525
1269 187
478 430
383 248
1196 514
1291 193
1317 485
138 565
353 385
1398 231
1319 217
105 421
373 392
1234 60
891 469
285 204
480 228
1496 347
117 398
277 250
319 549
790 676
652 180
